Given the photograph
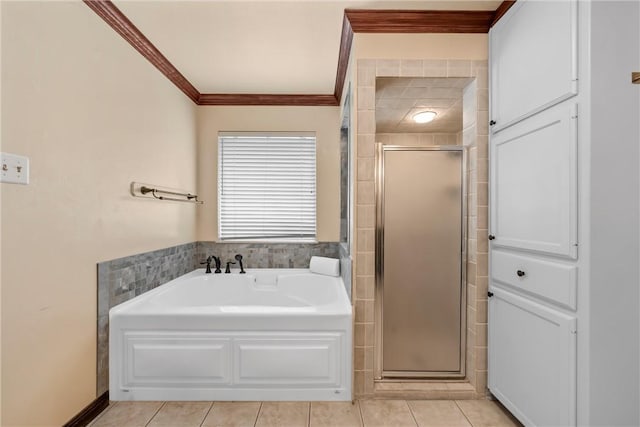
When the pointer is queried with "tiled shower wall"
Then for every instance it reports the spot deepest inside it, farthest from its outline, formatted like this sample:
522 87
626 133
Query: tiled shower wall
474 136
418 139
121 279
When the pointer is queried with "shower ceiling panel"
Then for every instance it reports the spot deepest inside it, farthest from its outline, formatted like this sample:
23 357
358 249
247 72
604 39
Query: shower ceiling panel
398 99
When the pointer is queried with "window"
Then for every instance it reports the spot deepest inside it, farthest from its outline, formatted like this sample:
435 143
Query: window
267 186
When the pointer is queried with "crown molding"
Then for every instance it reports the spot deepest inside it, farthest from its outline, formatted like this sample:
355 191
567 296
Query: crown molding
419 21
501 10
354 21
346 40
123 26
266 99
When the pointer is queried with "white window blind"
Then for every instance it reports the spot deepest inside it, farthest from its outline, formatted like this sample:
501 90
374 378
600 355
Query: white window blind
267 186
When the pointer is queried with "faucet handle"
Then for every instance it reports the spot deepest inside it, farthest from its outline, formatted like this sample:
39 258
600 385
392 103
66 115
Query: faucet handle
208 263
228 270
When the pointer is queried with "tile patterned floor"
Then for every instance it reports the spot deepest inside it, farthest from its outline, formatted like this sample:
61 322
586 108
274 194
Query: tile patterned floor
363 413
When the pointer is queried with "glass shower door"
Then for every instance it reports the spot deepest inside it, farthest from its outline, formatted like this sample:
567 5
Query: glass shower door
419 261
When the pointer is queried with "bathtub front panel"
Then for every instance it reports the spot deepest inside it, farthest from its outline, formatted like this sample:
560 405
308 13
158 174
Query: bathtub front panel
193 349
174 360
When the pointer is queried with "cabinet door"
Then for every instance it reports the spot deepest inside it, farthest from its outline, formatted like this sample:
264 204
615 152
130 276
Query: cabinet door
533 59
532 360
534 183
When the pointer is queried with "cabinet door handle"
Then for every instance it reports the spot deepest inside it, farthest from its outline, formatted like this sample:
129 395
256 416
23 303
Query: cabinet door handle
520 273
492 122
491 237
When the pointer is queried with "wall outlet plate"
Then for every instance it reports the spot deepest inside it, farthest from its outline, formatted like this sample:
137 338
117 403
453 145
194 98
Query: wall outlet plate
14 169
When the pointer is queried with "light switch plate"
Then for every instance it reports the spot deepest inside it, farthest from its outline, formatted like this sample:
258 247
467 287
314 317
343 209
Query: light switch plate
14 169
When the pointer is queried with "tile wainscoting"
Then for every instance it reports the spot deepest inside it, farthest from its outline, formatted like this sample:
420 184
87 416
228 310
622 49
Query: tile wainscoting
122 279
345 267
268 255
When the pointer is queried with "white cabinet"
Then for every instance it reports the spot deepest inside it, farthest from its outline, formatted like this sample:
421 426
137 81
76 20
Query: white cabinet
553 281
564 306
533 59
534 183
536 378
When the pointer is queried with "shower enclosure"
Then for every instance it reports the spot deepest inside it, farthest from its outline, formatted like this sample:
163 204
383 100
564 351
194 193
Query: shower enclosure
420 255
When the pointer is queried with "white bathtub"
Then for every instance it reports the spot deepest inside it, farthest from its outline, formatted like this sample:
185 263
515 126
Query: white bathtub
270 334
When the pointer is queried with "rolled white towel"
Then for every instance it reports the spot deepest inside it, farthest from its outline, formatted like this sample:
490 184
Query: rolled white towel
326 266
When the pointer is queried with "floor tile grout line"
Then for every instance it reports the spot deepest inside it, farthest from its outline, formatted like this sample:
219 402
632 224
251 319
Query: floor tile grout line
463 413
101 414
357 403
506 412
207 414
255 423
156 413
457 406
411 412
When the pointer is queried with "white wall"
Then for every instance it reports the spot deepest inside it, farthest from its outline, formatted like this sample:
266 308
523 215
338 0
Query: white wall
93 115
615 187
324 121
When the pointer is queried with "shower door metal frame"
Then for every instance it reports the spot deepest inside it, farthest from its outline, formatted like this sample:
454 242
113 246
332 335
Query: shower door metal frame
379 374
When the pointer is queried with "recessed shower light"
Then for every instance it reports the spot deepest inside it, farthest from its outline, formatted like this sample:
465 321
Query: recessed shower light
424 116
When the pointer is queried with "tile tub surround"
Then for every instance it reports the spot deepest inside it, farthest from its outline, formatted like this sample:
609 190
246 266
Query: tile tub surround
279 255
367 413
474 137
268 255
121 279
345 267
